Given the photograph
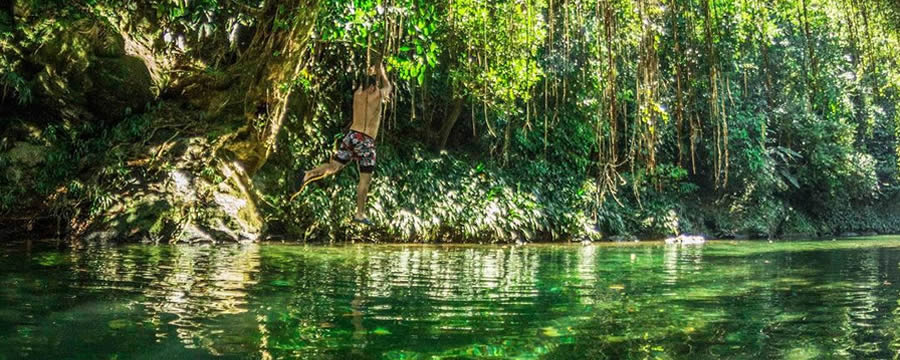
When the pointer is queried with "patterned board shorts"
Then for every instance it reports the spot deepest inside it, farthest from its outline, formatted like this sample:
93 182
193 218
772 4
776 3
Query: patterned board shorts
358 146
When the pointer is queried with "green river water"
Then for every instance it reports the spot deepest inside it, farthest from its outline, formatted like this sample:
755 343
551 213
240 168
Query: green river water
721 300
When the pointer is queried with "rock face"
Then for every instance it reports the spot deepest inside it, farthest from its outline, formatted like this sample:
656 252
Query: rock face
197 200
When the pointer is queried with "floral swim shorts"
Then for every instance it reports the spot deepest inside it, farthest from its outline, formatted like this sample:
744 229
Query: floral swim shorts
358 146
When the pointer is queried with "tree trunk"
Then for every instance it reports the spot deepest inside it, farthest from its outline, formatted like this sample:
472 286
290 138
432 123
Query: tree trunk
274 59
679 109
448 124
812 73
259 91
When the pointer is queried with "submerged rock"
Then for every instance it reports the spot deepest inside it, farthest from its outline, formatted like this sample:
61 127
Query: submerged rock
799 236
381 331
119 324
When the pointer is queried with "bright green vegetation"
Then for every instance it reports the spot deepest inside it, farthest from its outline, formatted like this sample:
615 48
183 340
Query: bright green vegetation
785 300
548 120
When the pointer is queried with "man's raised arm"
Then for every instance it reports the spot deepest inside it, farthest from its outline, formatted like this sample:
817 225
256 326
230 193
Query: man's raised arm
386 86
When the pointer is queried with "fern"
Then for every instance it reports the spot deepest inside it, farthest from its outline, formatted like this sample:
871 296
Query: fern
15 85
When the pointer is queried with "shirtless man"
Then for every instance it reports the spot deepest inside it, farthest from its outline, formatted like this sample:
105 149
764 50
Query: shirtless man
359 143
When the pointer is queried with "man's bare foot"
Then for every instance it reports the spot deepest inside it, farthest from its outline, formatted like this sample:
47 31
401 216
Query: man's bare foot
303 182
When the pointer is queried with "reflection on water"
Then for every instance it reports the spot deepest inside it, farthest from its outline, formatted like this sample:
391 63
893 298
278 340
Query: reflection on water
719 300
117 300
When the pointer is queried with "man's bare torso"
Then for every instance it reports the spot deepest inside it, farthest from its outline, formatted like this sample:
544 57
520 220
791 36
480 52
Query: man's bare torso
367 110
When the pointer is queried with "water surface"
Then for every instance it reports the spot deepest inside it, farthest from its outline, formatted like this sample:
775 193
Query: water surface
738 300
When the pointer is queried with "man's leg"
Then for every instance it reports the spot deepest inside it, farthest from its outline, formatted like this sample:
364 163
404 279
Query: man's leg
340 158
318 173
364 147
362 194
321 171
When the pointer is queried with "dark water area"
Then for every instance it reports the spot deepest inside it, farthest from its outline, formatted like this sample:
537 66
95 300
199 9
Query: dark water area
731 300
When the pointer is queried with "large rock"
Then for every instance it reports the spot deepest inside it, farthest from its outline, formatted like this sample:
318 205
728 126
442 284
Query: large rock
26 154
120 86
85 74
23 158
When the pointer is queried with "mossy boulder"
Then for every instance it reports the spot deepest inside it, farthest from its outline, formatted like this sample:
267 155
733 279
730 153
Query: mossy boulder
121 86
22 161
26 154
85 74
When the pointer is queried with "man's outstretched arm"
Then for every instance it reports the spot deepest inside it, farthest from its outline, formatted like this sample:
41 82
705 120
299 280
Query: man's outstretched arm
386 85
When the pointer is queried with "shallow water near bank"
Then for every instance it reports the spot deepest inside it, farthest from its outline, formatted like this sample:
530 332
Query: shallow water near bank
738 300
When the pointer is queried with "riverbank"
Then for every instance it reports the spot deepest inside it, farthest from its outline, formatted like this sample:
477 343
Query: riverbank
479 202
124 187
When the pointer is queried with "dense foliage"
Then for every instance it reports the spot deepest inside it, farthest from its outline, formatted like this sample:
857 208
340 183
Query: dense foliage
536 119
